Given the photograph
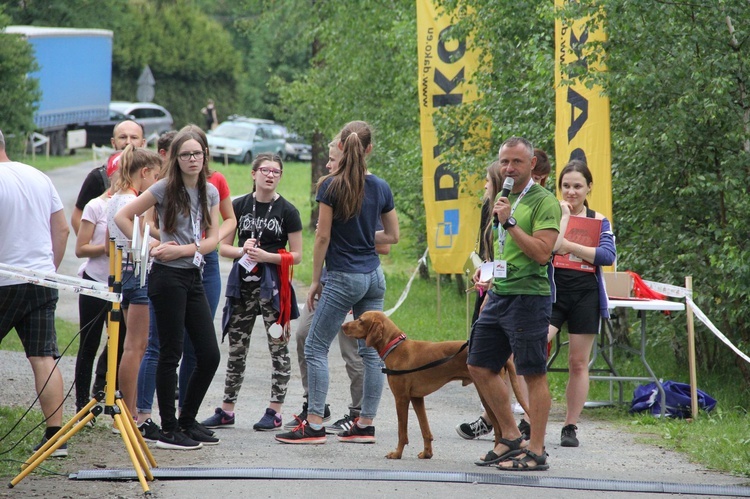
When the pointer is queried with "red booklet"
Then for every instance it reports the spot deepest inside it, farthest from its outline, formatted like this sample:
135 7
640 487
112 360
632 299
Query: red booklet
581 230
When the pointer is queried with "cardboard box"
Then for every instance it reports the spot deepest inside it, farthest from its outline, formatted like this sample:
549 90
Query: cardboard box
619 284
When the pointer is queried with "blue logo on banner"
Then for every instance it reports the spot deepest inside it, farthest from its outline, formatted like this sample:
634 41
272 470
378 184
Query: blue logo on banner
447 229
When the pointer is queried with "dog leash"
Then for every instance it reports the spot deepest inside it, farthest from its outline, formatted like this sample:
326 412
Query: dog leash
432 364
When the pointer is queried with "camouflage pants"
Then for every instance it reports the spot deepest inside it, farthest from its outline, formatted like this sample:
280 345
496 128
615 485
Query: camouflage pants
240 329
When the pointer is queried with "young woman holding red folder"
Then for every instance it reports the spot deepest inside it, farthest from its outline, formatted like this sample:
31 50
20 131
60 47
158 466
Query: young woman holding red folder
581 296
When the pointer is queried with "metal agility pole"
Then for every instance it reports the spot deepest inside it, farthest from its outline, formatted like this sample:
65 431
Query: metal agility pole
114 406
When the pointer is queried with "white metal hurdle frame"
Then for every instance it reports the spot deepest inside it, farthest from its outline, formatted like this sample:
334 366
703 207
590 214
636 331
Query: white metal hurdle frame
114 406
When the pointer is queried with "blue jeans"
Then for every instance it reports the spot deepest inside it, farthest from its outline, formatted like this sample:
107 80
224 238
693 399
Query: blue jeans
212 285
344 292
147 372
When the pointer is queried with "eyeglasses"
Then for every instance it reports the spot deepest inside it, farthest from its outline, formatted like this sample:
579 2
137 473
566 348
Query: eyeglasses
270 172
186 156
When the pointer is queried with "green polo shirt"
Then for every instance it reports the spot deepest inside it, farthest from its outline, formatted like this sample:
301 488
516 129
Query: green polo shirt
538 210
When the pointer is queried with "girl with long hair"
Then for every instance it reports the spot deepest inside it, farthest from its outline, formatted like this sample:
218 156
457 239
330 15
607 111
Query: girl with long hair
260 284
581 296
188 209
139 169
351 202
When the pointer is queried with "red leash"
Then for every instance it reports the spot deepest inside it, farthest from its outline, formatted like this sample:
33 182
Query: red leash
286 272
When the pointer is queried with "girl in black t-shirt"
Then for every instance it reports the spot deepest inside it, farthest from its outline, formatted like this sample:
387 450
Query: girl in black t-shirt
260 284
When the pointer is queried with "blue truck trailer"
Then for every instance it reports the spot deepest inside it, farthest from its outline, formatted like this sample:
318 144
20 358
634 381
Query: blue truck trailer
75 80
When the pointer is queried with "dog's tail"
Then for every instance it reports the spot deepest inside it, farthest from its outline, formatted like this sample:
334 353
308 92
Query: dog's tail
511 368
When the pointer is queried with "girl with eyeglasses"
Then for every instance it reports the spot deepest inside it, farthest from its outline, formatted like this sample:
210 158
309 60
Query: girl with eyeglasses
188 208
352 201
260 284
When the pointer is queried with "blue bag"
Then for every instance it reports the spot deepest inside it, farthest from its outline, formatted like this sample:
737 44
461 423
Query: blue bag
677 395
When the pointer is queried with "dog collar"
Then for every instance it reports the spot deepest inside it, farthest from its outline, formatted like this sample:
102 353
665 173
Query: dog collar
391 345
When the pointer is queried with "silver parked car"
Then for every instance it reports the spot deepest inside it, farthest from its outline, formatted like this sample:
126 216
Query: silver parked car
242 139
153 117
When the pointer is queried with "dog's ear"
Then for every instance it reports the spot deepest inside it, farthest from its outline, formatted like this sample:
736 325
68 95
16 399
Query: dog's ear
374 333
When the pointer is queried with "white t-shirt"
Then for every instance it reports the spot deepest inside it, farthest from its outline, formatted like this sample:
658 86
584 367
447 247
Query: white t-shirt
114 205
95 212
27 200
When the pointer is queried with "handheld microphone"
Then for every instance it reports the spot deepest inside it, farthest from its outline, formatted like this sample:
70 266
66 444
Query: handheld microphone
507 187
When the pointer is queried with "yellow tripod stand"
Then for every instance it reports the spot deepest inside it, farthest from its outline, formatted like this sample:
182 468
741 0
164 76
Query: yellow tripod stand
114 406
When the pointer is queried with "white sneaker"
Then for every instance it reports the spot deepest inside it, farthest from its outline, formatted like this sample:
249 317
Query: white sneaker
517 409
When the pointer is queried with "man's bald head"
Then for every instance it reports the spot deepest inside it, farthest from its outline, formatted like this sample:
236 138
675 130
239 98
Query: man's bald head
128 132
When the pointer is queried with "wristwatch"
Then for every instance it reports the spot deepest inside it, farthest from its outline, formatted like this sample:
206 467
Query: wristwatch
511 222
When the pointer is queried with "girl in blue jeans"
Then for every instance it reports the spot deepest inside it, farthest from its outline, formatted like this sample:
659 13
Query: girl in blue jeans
352 201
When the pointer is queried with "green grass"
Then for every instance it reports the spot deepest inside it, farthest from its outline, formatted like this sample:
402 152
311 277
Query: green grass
41 162
14 448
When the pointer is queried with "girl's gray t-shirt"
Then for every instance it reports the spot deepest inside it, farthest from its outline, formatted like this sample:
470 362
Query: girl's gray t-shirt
183 233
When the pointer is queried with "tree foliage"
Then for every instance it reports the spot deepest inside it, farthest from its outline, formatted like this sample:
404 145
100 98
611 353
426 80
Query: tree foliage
365 69
17 92
190 54
677 79
275 43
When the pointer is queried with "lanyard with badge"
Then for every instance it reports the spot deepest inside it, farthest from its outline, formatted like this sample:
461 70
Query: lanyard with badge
195 221
500 270
245 261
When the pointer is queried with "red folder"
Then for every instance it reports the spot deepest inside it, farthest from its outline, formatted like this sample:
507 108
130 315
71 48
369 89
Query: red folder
581 230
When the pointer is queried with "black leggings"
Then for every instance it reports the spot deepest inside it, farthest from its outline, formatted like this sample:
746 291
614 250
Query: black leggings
92 315
180 305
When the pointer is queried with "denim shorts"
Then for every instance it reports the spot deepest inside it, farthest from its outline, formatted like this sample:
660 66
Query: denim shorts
132 292
514 324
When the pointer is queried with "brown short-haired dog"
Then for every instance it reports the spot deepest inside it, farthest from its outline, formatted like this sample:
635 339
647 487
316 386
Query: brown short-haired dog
402 354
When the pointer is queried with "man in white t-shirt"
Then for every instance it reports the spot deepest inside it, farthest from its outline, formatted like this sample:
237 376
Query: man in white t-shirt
35 232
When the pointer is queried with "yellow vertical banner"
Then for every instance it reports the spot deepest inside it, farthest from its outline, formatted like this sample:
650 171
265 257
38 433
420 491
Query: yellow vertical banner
451 209
582 126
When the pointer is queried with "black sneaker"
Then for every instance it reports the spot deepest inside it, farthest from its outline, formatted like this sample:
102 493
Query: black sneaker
150 430
298 418
200 436
525 428
358 435
302 416
177 440
198 426
303 434
342 424
61 451
475 429
568 438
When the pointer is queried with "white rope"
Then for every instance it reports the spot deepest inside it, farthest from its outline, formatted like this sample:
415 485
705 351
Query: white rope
61 282
687 294
705 320
405 293
669 290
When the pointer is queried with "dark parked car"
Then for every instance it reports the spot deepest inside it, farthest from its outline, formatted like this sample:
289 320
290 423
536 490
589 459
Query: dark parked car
296 149
100 132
